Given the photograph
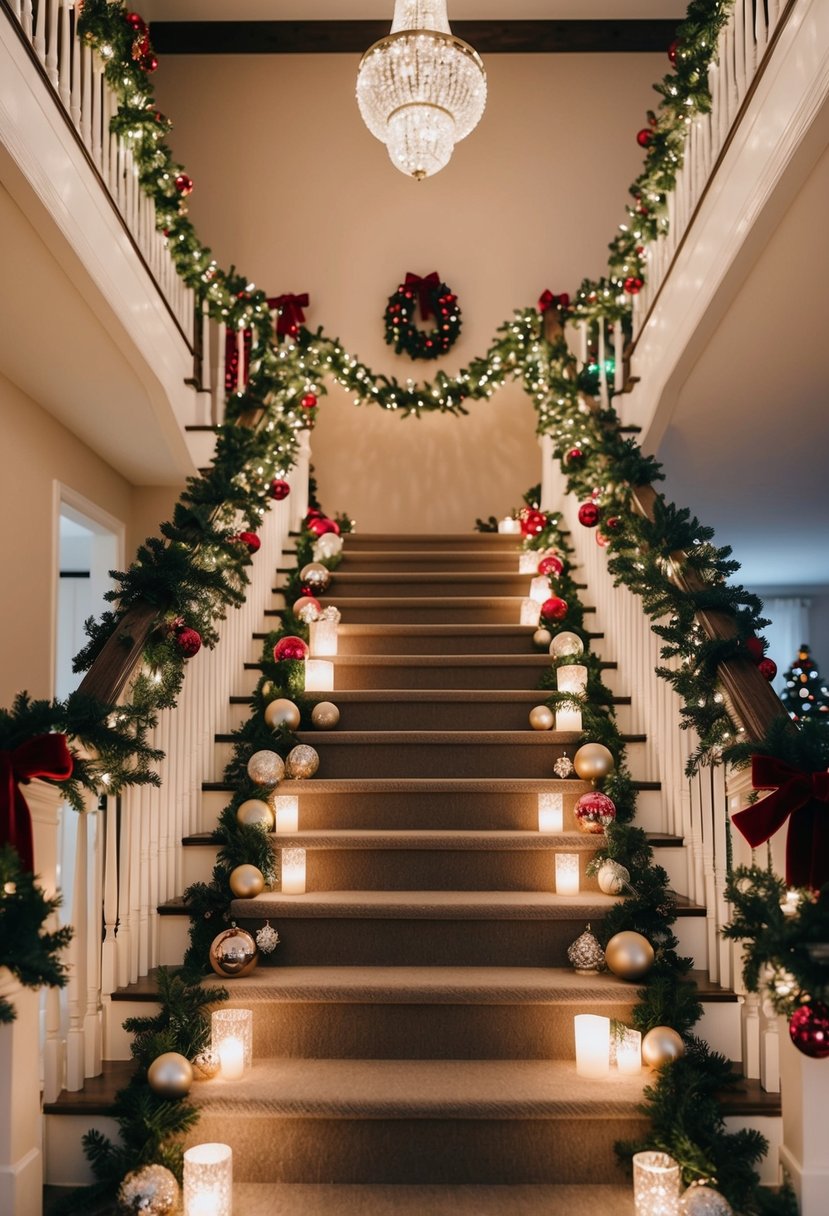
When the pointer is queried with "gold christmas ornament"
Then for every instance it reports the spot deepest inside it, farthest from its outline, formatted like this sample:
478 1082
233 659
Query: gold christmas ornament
700 1200
266 768
629 955
302 762
542 718
170 1075
206 1065
592 761
325 715
233 953
254 812
660 1046
316 577
151 1190
246 881
282 712
267 688
612 877
542 638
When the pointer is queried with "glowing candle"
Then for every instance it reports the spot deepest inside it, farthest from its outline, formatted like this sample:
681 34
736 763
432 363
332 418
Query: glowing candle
568 718
509 526
592 1045
293 871
530 612
322 639
655 1184
528 561
232 1058
572 678
628 1051
319 675
208 1180
550 812
540 589
286 812
567 873
232 1040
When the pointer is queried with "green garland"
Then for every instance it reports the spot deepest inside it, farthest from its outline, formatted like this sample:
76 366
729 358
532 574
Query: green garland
30 951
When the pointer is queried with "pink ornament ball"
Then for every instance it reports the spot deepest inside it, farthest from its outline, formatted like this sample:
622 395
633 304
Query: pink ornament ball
594 811
290 647
554 609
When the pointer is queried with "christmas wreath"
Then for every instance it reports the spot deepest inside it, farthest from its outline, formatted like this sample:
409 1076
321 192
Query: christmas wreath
436 300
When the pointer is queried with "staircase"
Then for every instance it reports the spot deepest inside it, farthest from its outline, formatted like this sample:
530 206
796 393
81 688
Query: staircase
413 1039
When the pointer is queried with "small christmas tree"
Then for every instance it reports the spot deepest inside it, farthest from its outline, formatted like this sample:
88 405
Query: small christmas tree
805 694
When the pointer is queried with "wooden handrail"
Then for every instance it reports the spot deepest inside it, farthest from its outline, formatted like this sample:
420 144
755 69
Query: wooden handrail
114 663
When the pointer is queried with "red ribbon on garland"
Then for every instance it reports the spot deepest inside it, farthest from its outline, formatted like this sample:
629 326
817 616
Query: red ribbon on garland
42 756
232 383
290 315
425 288
547 300
803 798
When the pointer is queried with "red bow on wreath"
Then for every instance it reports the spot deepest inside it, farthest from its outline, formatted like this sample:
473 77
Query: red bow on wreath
43 756
290 315
547 300
804 797
425 289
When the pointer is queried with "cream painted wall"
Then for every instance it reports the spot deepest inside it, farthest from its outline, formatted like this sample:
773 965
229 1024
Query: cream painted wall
36 451
292 189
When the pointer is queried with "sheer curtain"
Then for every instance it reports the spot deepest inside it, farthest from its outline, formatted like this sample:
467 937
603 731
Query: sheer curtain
788 630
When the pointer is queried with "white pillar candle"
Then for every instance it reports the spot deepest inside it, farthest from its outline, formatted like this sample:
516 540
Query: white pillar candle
232 1040
530 613
319 675
567 873
322 639
572 678
592 1045
286 813
628 1051
655 1184
232 1058
293 871
509 526
540 589
550 812
208 1180
568 718
528 561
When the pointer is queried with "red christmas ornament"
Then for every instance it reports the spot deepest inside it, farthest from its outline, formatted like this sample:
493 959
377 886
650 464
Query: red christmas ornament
188 641
554 609
279 489
614 523
574 456
589 514
149 63
532 521
809 1030
551 564
138 23
320 525
594 812
767 668
673 50
184 184
644 137
756 648
309 401
250 539
290 648
634 284
312 513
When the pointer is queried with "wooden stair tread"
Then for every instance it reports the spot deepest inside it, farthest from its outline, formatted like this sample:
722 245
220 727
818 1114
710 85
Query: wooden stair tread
433 785
428 838
439 738
344 696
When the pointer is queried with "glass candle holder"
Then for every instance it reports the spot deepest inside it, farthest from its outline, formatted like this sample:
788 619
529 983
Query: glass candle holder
528 561
567 873
568 718
509 527
322 638
286 813
655 1184
592 1045
319 674
628 1051
550 812
293 871
208 1180
572 678
530 612
232 1040
540 589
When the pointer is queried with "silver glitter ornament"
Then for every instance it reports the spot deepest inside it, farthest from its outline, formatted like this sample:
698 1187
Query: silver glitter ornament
206 1065
586 954
151 1190
563 767
267 938
302 762
703 1201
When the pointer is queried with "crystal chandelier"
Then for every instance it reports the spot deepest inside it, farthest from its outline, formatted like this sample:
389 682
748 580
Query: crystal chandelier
421 89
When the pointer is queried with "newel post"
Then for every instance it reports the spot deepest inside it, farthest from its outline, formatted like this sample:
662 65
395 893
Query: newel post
21 1158
804 1153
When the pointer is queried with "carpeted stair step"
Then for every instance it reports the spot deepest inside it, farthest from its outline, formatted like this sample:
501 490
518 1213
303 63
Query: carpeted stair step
408 542
482 609
401 1121
461 560
462 639
500 671
425 584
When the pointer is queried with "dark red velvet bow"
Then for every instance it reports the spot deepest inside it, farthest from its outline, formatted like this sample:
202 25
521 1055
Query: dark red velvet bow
425 289
547 300
290 315
804 797
42 756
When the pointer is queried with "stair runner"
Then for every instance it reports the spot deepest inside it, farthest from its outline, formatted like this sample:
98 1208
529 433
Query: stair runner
413 1041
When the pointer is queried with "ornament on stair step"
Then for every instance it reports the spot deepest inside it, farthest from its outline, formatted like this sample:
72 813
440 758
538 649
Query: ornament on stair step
302 762
255 813
170 1075
594 812
554 609
151 1190
550 565
325 715
266 768
629 955
566 643
593 761
563 766
316 577
589 514
307 608
246 881
206 1065
290 649
661 1045
233 952
282 712
267 938
326 546
702 1200
188 641
279 489
542 717
585 954
542 638
613 877
809 1029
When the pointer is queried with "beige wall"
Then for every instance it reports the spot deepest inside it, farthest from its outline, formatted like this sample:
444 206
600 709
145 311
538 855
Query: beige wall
292 189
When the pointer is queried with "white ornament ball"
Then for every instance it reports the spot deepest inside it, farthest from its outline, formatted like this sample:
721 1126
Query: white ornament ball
612 877
703 1201
542 638
255 813
266 768
325 714
282 712
327 545
170 1075
542 718
302 762
566 643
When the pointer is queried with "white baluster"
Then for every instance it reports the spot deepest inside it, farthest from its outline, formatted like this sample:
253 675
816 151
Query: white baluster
618 355
52 16
582 331
220 393
124 938
65 55
76 986
109 949
26 17
603 394
93 1021
75 95
39 40
240 359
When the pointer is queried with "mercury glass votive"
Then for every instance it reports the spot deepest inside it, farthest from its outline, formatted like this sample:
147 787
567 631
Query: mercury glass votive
509 526
286 813
528 561
232 1040
628 1051
568 718
572 678
550 812
293 871
530 612
592 1045
655 1184
322 638
567 873
540 589
319 674
208 1180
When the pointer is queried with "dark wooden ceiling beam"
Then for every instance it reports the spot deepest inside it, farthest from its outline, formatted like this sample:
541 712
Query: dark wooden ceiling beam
354 37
